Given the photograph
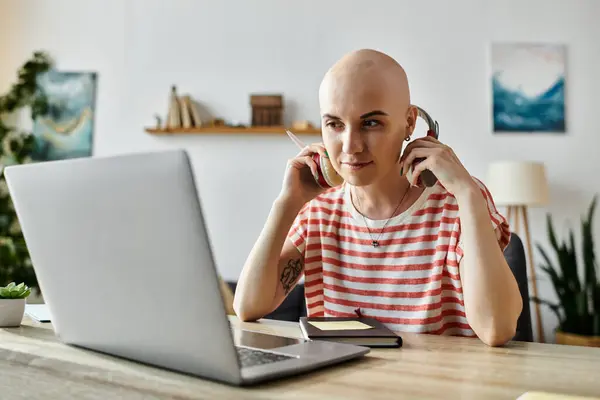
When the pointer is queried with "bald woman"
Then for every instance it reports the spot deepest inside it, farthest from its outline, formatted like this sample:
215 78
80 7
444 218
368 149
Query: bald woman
379 244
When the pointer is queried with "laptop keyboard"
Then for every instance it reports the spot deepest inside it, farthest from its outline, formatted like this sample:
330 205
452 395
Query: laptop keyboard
252 357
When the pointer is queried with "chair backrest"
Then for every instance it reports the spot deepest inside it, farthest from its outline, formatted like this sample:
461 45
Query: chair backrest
515 257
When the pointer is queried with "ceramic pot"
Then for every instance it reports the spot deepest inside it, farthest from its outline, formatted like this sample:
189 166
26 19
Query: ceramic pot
11 312
574 339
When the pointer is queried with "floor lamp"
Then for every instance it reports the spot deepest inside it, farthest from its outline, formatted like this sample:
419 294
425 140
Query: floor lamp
519 185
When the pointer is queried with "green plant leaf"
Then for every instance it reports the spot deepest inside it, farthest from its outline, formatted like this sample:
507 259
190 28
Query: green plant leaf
13 291
551 234
596 324
596 299
589 257
571 262
584 321
556 281
568 265
544 255
554 307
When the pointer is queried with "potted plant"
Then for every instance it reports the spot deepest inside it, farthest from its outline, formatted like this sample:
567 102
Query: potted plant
578 307
16 147
12 304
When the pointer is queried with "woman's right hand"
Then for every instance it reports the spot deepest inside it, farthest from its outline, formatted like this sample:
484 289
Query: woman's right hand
299 182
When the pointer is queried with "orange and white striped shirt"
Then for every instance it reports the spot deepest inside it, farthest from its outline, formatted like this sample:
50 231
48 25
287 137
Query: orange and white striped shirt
410 282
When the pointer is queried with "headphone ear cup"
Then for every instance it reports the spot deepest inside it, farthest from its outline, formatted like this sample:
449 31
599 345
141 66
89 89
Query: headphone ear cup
329 173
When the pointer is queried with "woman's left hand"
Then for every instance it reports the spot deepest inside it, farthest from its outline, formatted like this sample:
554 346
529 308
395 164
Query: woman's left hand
441 161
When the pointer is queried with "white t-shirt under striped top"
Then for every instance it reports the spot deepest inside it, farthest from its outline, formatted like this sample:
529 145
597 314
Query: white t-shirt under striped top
410 282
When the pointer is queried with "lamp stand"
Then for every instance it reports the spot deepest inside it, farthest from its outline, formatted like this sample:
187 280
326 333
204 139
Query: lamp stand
514 211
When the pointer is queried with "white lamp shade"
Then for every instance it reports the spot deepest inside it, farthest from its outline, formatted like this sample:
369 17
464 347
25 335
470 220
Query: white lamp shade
514 183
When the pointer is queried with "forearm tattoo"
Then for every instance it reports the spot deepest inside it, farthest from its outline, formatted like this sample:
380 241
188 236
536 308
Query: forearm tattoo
290 274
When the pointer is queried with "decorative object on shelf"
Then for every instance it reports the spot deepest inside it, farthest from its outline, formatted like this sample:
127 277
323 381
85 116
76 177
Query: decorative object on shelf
528 87
578 307
12 304
302 125
267 110
519 185
67 130
186 112
217 122
16 148
174 113
158 121
190 114
182 112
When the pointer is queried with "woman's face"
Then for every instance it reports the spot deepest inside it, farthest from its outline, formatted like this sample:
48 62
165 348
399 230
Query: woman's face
363 129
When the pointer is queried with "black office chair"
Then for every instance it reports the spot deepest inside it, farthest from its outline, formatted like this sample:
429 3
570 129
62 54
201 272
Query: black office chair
294 306
515 256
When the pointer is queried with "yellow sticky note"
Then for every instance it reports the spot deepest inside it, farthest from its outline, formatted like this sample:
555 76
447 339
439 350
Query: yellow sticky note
534 395
339 325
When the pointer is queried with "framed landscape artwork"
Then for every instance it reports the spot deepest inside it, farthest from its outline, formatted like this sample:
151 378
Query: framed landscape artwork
528 87
66 131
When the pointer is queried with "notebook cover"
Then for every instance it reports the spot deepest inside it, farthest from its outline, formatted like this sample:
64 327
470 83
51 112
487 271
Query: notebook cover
377 330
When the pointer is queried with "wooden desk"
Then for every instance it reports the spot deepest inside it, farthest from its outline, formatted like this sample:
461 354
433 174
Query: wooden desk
36 365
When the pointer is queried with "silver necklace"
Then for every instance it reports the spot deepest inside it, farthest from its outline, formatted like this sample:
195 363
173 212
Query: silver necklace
375 242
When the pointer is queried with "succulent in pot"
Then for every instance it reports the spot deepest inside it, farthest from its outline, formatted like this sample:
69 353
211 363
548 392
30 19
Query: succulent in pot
12 304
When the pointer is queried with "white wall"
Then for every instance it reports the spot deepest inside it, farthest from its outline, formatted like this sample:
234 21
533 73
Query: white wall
220 51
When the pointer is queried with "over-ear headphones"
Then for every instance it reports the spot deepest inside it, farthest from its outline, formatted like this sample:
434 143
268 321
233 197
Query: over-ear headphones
433 127
427 177
328 177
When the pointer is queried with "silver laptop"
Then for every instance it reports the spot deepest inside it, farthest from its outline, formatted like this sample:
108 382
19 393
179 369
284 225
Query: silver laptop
124 262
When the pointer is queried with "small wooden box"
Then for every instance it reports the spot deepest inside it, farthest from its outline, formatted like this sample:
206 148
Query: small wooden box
267 110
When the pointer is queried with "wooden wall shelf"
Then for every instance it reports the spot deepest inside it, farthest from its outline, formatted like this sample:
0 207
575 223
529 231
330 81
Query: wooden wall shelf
280 130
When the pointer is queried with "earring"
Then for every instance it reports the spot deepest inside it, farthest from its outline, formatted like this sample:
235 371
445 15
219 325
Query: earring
407 138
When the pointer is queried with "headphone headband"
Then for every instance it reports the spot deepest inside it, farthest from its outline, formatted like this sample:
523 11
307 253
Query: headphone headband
433 126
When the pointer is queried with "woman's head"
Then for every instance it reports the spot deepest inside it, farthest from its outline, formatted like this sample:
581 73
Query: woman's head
365 116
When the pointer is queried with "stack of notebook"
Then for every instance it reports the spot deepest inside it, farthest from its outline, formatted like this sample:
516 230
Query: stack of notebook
361 331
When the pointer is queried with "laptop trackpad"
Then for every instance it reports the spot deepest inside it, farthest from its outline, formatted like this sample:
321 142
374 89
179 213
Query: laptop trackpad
262 340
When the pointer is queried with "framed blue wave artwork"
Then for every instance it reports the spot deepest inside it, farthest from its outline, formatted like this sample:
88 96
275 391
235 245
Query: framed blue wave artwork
528 87
66 130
